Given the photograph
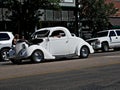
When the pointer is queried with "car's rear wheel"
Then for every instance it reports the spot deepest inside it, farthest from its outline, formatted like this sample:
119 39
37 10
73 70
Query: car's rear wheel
37 56
4 54
84 52
105 47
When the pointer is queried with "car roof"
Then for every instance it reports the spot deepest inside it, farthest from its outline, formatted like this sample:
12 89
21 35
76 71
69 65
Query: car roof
5 32
51 28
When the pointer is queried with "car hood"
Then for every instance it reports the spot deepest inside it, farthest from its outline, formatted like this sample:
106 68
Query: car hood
92 39
36 41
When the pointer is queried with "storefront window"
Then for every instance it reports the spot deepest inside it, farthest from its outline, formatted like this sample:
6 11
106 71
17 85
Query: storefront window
71 16
57 16
49 15
64 15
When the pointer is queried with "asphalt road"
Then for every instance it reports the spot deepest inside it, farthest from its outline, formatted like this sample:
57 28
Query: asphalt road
101 71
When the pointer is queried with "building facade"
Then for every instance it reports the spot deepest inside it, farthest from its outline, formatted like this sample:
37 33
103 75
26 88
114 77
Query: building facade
67 16
63 17
115 19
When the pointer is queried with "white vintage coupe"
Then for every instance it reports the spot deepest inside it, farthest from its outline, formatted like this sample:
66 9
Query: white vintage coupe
50 43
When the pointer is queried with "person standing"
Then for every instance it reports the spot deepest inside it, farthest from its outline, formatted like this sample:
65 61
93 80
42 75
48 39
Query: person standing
16 38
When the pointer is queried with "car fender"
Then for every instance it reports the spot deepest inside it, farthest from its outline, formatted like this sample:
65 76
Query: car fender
33 48
78 49
80 45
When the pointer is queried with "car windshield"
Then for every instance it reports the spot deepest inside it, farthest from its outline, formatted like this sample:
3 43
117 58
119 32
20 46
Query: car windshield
41 34
101 34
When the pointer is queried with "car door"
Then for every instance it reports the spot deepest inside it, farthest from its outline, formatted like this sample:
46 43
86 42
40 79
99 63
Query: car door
113 38
58 43
118 38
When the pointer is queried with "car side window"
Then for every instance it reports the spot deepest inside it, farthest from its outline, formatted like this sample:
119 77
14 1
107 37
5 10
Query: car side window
41 34
118 33
112 33
58 33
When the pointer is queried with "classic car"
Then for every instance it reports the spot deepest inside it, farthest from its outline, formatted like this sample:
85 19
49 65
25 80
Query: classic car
50 43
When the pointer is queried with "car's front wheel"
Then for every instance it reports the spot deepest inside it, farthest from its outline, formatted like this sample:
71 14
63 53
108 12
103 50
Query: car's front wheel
84 52
105 47
4 54
37 56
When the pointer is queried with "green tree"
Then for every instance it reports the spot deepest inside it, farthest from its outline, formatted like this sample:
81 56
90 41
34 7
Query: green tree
26 13
97 13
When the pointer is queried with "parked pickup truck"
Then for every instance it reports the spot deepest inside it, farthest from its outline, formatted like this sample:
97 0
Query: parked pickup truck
106 39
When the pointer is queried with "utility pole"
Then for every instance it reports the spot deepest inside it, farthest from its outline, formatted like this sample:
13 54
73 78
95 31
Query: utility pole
76 17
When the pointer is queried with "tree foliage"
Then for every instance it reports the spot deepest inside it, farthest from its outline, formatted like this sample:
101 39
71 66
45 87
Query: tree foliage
97 12
26 13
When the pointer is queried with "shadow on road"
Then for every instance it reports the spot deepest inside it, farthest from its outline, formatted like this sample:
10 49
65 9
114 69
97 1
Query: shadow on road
46 61
96 54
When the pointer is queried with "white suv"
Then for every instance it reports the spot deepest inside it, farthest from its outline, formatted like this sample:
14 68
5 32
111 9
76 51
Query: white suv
5 44
106 39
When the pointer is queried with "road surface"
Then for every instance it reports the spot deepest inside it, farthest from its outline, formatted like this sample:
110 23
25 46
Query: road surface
101 71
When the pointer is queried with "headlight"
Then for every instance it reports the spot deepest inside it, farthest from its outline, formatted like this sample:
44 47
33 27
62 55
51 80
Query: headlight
22 53
23 46
97 42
